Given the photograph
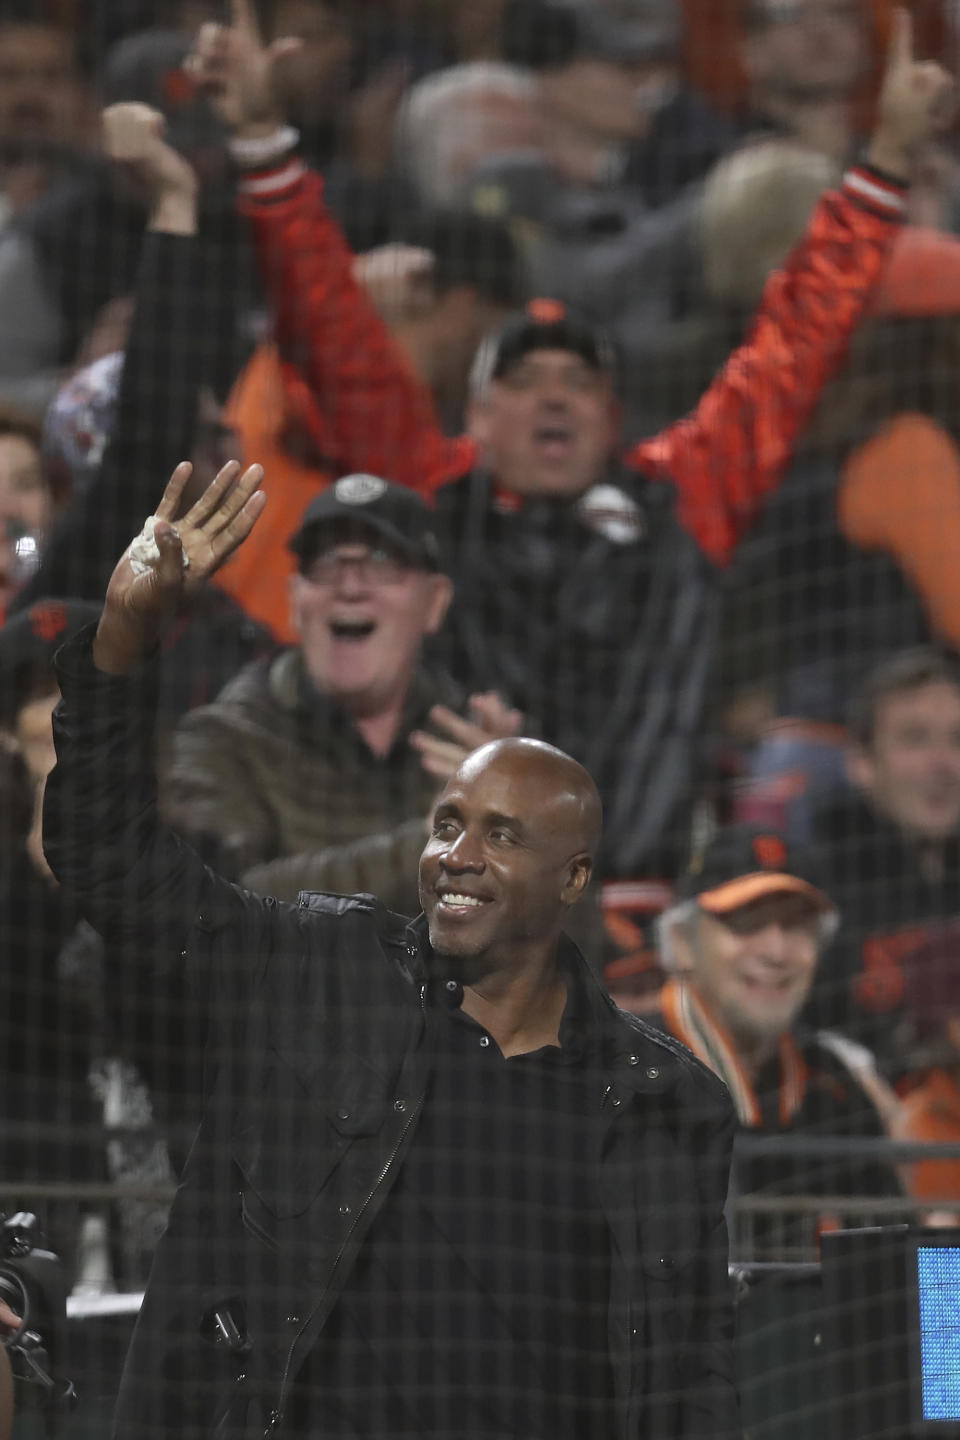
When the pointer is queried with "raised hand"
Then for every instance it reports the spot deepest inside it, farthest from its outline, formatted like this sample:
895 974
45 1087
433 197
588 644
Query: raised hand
917 101
235 69
133 136
139 607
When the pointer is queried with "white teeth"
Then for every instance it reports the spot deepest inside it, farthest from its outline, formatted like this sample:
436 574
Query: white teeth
449 898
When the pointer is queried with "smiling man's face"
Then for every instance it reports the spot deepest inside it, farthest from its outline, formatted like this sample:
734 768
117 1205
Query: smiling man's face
508 854
548 426
362 612
754 967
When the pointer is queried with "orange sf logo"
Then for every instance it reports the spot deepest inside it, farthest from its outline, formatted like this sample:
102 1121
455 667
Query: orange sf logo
770 851
48 621
547 312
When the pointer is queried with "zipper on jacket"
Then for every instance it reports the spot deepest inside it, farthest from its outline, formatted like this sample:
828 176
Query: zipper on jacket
276 1415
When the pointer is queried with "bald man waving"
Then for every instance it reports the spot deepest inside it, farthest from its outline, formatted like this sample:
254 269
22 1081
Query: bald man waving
442 1186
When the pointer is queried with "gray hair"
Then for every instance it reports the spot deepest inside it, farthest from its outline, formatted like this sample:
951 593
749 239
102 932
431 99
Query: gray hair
436 113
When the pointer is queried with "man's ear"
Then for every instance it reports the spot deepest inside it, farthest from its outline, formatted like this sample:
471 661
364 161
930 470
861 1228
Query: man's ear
578 878
680 949
438 603
478 418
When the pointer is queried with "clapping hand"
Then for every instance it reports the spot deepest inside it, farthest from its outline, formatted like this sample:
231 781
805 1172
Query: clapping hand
490 719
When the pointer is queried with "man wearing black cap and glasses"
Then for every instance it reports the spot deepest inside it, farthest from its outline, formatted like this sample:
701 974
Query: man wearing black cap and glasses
586 590
302 768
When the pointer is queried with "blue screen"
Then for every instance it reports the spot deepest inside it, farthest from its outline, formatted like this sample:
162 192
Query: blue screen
938 1277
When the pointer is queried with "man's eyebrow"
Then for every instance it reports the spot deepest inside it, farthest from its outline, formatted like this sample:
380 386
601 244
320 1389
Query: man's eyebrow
508 822
446 807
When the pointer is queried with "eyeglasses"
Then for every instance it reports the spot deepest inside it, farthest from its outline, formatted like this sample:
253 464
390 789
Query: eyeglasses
372 567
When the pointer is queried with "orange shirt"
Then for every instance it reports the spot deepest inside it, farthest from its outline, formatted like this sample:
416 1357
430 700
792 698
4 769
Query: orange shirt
932 1112
263 407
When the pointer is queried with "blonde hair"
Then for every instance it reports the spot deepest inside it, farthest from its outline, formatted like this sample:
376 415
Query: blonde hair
755 208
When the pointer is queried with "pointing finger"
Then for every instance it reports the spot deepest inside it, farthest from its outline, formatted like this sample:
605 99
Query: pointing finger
244 18
900 51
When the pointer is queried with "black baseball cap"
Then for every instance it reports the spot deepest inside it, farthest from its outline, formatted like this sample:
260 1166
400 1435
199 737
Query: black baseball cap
478 251
543 324
393 513
28 642
742 864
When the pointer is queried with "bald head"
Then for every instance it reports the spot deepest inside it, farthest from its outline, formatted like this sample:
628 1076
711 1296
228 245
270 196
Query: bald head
511 850
549 781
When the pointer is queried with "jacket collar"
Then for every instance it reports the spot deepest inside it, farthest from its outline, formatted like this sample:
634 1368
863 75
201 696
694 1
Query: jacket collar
645 1060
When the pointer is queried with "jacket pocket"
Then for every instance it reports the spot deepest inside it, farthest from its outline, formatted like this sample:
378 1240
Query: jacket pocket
287 1138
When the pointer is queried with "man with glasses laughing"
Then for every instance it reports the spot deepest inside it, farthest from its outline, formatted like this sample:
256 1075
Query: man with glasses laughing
319 766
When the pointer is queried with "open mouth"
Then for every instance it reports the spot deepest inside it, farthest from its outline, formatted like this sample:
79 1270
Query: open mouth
456 904
352 629
553 441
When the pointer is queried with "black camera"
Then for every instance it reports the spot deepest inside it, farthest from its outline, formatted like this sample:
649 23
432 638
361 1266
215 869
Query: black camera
33 1283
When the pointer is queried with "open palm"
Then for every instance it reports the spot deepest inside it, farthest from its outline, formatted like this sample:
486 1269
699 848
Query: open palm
138 606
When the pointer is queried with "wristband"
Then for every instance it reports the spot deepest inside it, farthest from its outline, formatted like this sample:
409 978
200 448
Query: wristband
264 149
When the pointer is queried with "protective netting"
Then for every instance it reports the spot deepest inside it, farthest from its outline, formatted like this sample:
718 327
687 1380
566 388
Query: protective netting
602 359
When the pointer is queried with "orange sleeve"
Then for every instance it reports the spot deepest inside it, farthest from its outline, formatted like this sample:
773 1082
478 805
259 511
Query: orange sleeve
730 454
372 413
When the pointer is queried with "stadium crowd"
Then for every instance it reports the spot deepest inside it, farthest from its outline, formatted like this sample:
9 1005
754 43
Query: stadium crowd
443 270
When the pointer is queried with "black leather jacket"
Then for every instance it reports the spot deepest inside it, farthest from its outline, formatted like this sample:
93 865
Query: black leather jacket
315 1075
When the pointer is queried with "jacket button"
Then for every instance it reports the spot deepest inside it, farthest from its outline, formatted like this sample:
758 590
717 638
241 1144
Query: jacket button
343 1114
411 951
344 1209
653 1072
615 1101
666 1261
399 1106
293 1319
633 1059
484 1041
451 985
